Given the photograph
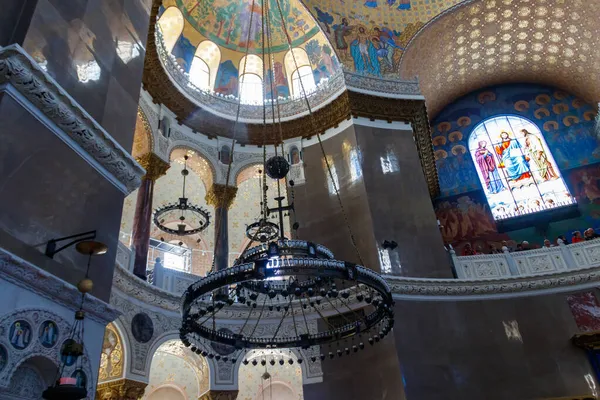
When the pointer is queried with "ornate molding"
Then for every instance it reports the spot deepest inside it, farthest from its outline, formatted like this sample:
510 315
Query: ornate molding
393 88
518 286
21 72
123 389
154 165
413 112
219 395
26 275
221 195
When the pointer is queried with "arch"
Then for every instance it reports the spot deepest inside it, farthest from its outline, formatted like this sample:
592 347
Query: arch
200 74
199 162
210 54
251 79
143 140
515 167
246 172
267 391
170 388
298 68
171 25
174 335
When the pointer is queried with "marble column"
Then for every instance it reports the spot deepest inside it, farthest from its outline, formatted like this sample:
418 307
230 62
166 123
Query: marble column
122 389
221 197
155 168
219 395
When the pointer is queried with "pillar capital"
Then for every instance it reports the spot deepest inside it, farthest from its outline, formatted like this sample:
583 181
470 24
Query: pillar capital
122 389
221 196
154 165
219 395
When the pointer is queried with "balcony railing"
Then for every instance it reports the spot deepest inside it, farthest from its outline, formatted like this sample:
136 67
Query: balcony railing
528 262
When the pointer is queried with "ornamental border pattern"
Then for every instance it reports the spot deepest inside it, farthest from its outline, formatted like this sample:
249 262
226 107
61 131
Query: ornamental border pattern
518 286
19 70
26 275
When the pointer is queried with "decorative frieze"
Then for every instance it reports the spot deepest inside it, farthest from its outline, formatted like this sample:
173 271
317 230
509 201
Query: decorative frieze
122 389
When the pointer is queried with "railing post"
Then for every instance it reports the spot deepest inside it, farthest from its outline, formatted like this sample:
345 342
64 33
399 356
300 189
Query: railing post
512 264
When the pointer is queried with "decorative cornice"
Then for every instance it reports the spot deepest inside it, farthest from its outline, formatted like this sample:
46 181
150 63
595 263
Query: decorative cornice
20 71
413 112
26 275
122 389
221 195
154 165
389 88
518 286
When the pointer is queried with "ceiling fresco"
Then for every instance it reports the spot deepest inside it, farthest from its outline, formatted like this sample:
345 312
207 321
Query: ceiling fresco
491 42
237 25
370 36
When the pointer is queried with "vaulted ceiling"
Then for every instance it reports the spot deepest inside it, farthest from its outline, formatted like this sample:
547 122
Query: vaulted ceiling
489 42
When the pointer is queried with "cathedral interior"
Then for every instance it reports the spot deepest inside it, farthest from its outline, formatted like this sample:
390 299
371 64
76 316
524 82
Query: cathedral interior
300 199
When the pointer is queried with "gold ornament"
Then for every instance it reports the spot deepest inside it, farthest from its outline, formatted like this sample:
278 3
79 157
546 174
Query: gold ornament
85 285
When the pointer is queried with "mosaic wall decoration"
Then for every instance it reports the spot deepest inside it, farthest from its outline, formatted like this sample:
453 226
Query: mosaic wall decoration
20 334
112 357
566 124
48 334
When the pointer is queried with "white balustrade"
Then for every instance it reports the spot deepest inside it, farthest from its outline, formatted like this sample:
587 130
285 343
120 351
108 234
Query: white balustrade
528 262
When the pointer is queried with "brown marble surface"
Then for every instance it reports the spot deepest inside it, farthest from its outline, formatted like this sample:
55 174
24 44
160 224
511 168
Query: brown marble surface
49 191
85 45
399 203
493 350
318 211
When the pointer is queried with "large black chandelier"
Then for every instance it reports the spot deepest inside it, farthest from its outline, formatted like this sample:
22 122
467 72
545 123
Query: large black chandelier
192 218
299 295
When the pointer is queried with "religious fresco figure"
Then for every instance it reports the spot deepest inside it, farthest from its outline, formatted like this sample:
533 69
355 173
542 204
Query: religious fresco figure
20 335
535 149
383 41
487 167
364 53
48 334
339 33
513 161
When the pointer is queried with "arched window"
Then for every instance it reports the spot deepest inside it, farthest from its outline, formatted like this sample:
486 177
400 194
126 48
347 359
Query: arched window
251 79
516 169
295 155
205 65
333 182
165 127
171 25
298 68
200 74
225 155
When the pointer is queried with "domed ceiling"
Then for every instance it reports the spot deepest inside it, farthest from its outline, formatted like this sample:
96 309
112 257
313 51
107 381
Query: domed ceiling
490 42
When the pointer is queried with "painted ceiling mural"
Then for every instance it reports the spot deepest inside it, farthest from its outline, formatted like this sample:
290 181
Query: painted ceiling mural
370 35
237 24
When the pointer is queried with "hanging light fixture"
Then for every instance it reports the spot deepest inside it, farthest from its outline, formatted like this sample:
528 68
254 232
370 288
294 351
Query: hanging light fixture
72 387
192 218
282 280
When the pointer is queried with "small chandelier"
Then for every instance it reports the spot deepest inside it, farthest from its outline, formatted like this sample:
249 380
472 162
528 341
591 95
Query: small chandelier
192 218
72 387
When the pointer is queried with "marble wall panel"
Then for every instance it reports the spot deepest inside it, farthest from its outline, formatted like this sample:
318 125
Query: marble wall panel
95 50
318 211
399 202
48 191
500 349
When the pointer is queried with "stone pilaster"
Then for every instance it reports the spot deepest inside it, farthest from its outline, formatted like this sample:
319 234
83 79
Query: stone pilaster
222 197
122 389
219 395
155 168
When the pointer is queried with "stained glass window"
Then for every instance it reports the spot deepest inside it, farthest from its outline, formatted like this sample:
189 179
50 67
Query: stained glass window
515 168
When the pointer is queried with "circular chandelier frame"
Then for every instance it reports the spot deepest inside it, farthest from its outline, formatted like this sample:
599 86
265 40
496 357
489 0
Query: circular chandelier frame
294 259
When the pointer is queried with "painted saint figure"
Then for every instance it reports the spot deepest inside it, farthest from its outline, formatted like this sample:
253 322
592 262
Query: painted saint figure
48 334
20 335
364 53
535 151
487 167
513 161
340 32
